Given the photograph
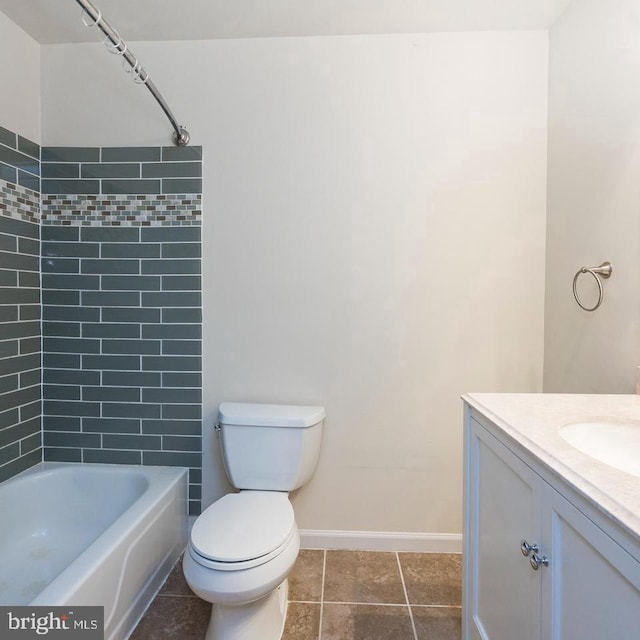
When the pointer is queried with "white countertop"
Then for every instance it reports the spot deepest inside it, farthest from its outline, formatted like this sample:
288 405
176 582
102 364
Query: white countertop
534 419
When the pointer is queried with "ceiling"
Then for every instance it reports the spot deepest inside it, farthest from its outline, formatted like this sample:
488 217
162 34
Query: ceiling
58 21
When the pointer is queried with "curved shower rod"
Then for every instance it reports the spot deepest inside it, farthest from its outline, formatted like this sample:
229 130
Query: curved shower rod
117 45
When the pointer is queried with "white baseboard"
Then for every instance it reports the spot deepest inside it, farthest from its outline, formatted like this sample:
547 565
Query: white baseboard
381 541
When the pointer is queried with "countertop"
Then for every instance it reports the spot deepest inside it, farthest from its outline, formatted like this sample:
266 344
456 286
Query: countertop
534 420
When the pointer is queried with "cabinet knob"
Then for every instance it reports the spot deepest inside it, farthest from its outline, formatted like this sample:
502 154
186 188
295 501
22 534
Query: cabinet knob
527 548
535 561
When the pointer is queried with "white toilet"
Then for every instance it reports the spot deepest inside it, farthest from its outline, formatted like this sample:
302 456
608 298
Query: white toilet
242 547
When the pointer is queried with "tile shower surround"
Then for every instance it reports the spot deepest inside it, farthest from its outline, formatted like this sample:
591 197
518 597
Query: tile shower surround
121 303
20 373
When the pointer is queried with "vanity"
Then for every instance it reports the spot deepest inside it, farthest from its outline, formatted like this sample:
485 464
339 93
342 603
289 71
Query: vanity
552 517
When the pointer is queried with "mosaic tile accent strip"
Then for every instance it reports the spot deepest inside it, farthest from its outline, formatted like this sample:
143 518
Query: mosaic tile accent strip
20 342
122 342
19 203
123 210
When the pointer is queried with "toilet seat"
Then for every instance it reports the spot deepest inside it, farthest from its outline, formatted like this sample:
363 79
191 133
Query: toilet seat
243 530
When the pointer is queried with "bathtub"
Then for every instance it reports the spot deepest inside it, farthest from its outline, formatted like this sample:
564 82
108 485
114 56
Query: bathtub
91 534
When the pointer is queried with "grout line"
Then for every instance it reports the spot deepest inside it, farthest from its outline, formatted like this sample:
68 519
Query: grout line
324 571
406 597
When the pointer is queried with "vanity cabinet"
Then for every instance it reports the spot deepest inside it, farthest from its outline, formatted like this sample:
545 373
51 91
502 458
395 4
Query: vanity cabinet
577 580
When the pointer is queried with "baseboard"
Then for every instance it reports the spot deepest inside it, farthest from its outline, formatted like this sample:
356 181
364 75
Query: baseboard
381 541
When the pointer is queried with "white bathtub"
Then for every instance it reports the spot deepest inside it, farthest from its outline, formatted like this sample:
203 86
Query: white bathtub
91 534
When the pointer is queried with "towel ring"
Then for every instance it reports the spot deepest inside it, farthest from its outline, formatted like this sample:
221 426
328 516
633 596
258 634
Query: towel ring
603 270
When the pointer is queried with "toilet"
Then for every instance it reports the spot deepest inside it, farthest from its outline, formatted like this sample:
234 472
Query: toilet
243 547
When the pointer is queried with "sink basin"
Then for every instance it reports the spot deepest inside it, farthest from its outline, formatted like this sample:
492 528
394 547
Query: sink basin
614 443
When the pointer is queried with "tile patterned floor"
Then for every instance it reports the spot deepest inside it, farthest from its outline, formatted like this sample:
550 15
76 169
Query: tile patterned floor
338 595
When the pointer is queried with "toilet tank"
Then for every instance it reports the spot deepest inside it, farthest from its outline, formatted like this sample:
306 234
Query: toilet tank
270 447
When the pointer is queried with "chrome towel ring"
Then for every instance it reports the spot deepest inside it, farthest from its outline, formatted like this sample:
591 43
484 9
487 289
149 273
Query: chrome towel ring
603 270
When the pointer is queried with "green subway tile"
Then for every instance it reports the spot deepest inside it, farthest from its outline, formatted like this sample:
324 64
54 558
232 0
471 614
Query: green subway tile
8 278
60 392
8 348
12 330
70 439
131 283
26 245
171 267
8 383
10 174
62 234
67 329
28 279
30 312
172 395
60 423
20 160
69 376
110 234
181 185
113 170
70 345
182 250
71 314
181 443
70 154
111 394
19 228
171 299
181 154
28 181
60 298
130 154
60 265
175 331
30 148
171 363
139 442
131 378
55 454
57 170
16 466
8 314
111 456
171 459
12 295
195 507
60 361
110 299
172 427
108 330
181 283
181 347
182 380
130 315
9 418
131 250
172 170
131 186
173 234
30 345
7 137
64 187
71 249
8 243
117 363
69 408
58 281
182 411
182 316
18 262
110 266
111 425
130 410
137 347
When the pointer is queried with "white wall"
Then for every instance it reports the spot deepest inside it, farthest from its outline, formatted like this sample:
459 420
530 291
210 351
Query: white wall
373 241
594 199
20 92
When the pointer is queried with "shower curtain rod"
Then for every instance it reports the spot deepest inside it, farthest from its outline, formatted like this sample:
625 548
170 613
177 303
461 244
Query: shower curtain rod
118 45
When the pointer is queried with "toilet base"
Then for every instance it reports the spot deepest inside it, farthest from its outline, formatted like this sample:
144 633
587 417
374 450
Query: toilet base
262 619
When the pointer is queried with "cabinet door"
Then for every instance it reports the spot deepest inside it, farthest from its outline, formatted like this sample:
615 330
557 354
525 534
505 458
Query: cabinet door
503 502
592 585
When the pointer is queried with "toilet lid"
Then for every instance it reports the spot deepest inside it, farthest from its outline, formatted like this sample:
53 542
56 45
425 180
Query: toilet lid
243 526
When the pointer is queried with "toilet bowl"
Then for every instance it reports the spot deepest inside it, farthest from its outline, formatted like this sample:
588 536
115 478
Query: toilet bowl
243 547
